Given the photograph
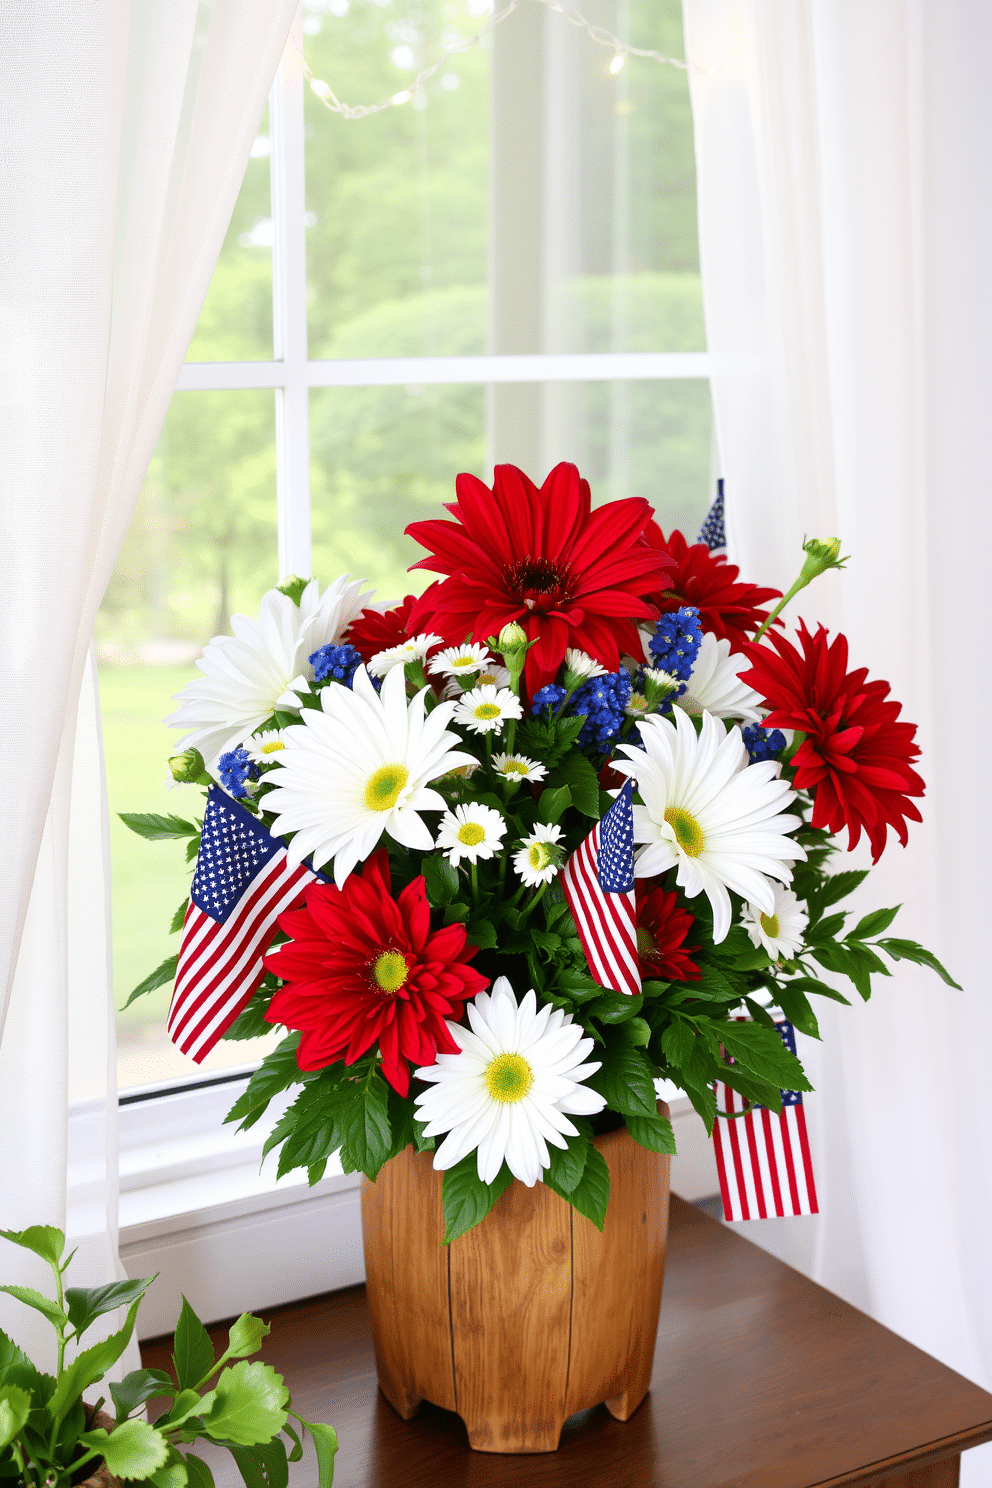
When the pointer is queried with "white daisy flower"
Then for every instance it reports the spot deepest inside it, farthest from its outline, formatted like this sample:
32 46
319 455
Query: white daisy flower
460 661
538 858
415 649
637 705
581 665
263 667
494 675
781 932
518 767
722 823
361 767
511 1089
265 748
471 832
715 686
485 709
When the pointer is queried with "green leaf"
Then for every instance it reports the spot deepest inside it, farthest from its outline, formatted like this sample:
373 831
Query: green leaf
837 887
45 1240
155 828
908 950
482 934
15 1407
365 1129
624 1079
678 1043
583 782
251 1022
422 1143
262 1466
51 1310
192 1351
325 1441
132 1450
466 1199
297 1451
715 985
567 1165
440 878
615 1007
653 1132
812 987
277 1072
86 1304
874 923
795 1005
762 1052
186 1404
250 1405
591 1195
245 1336
179 918
172 1475
198 1474
193 848
137 1387
91 1365
457 913
553 804
160 977
826 930
636 1031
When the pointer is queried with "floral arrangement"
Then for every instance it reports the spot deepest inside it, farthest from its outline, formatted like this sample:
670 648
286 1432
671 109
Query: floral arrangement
441 760
50 1438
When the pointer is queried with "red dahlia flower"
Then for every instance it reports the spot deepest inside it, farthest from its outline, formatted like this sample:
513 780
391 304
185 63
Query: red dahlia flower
570 576
729 609
364 968
378 630
662 927
855 758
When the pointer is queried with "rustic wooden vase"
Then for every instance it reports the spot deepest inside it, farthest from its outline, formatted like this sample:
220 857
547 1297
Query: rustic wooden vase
530 1316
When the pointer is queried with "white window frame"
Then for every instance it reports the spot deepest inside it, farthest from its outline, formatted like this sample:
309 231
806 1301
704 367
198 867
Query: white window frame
198 1205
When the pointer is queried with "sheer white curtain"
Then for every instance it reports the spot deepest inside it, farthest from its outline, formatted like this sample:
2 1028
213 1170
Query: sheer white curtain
128 125
845 212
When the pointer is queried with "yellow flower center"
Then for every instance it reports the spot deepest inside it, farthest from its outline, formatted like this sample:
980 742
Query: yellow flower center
688 832
769 923
272 746
486 710
637 703
471 833
485 677
514 767
389 972
538 856
464 663
509 1078
383 788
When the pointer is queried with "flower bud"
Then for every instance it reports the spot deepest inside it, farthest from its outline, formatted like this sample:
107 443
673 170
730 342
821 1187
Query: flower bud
293 588
187 768
511 638
820 556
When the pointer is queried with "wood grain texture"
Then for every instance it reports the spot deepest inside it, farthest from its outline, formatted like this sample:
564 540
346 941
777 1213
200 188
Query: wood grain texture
940 1475
761 1380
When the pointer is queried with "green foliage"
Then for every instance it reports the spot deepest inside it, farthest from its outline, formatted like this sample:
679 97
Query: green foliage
155 828
192 1351
160 977
466 1199
277 1072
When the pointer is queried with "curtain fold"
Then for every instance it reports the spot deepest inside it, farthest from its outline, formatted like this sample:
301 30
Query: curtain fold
845 198
128 125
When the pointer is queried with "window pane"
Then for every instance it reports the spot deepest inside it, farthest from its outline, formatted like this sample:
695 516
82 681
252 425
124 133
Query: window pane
202 543
236 320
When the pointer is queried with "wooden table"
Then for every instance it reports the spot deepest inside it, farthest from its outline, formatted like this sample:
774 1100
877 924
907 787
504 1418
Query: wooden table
761 1380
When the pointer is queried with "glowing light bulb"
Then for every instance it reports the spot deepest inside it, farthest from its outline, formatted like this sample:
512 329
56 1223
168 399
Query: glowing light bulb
617 64
322 89
403 97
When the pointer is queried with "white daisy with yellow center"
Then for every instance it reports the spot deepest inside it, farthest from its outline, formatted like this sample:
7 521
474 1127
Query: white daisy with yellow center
517 767
781 931
485 709
460 661
266 747
722 823
579 667
511 1088
539 857
360 767
415 649
471 832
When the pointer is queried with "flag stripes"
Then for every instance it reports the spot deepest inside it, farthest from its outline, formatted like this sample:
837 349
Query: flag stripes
598 881
763 1160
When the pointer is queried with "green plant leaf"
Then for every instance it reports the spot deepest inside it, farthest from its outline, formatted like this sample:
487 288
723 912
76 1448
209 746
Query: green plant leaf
591 1195
837 887
160 977
874 923
86 1304
250 1405
155 828
653 1132
132 1450
795 1005
325 1440
624 1079
615 1007
198 1474
192 1352
365 1129
251 1022
440 878
179 918
186 1404
567 1164
51 1310
466 1199
762 1052
482 933
245 1336
45 1240
137 1387
908 950
15 1407
583 782
277 1072
91 1365
811 986
297 1451
553 805
263 1466
172 1475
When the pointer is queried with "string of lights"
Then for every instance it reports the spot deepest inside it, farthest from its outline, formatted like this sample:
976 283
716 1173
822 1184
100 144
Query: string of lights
621 51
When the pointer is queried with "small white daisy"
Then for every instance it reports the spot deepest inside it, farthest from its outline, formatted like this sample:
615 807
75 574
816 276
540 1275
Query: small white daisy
781 932
637 705
715 686
266 748
460 661
485 709
581 665
518 767
538 857
494 675
471 832
511 1089
415 649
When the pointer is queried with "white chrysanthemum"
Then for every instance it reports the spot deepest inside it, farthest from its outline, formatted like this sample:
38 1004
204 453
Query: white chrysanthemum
722 823
361 767
263 667
415 649
538 858
715 686
265 748
485 709
581 665
460 661
519 767
494 675
471 832
511 1089
781 932
637 705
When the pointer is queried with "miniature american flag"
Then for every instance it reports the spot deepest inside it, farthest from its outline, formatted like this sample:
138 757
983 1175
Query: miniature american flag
714 531
598 880
764 1160
241 886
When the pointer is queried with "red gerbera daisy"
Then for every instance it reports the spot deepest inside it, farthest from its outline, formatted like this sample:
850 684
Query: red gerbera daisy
729 609
378 630
855 758
364 968
662 927
570 576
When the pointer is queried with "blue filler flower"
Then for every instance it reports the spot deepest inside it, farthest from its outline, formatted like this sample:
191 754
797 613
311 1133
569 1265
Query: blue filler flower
604 702
335 663
762 745
676 642
547 700
235 768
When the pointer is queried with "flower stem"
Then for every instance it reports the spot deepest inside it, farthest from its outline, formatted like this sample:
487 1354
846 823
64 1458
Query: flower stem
474 876
534 902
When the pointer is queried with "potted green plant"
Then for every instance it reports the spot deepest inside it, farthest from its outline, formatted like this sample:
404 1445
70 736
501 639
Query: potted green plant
51 1438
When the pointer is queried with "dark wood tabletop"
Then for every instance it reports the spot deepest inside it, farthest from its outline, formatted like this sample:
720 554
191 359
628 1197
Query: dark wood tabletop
761 1380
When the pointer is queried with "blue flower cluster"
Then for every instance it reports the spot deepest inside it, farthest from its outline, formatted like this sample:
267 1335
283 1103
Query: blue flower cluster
548 700
235 768
762 745
676 642
604 701
335 663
